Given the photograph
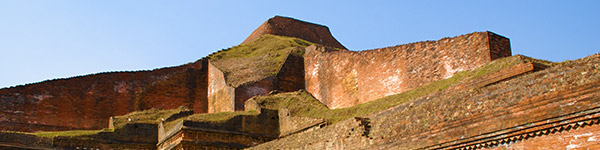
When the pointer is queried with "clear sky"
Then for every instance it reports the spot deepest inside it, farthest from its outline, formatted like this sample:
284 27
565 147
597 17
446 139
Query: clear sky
45 39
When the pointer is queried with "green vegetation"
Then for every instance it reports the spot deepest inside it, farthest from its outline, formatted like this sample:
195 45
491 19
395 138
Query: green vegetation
210 117
219 117
302 104
278 46
258 59
146 116
71 133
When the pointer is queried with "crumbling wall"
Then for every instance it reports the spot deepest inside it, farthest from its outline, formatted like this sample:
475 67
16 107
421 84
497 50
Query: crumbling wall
223 98
348 134
237 132
264 124
251 89
291 27
77 143
289 124
24 140
203 139
290 77
341 78
86 102
499 46
220 96
555 104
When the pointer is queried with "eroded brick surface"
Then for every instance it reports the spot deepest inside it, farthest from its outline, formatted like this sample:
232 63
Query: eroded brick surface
341 78
220 95
86 102
531 104
285 26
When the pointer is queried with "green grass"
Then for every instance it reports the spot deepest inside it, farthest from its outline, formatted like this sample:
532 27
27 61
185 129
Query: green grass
258 59
71 133
299 103
303 104
210 117
278 46
147 116
218 117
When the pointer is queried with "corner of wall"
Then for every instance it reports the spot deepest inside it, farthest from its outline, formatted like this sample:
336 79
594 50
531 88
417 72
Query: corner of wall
499 46
221 97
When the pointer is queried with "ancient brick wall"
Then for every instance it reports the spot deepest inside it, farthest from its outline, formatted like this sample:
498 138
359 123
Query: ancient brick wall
341 78
499 46
557 104
285 26
220 96
86 102
224 98
348 134
251 89
292 124
214 138
130 136
265 124
237 132
91 144
584 138
132 133
24 140
290 77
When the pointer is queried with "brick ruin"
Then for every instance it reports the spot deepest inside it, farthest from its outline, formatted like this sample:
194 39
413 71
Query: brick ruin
341 78
86 102
518 107
290 27
337 77
553 108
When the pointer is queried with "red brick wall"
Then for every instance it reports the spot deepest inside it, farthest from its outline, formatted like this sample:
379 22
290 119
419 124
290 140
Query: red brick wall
251 89
556 104
86 102
285 26
499 46
291 75
221 96
346 78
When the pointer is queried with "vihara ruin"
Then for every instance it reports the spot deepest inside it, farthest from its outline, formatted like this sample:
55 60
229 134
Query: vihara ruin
292 85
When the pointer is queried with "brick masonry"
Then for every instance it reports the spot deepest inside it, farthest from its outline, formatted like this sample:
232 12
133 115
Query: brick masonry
516 108
86 102
557 104
285 26
341 78
220 95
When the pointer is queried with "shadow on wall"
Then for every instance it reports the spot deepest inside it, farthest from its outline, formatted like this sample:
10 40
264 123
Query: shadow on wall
265 124
224 98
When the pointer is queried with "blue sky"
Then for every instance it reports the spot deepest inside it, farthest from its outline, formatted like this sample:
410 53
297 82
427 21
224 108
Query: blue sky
43 39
